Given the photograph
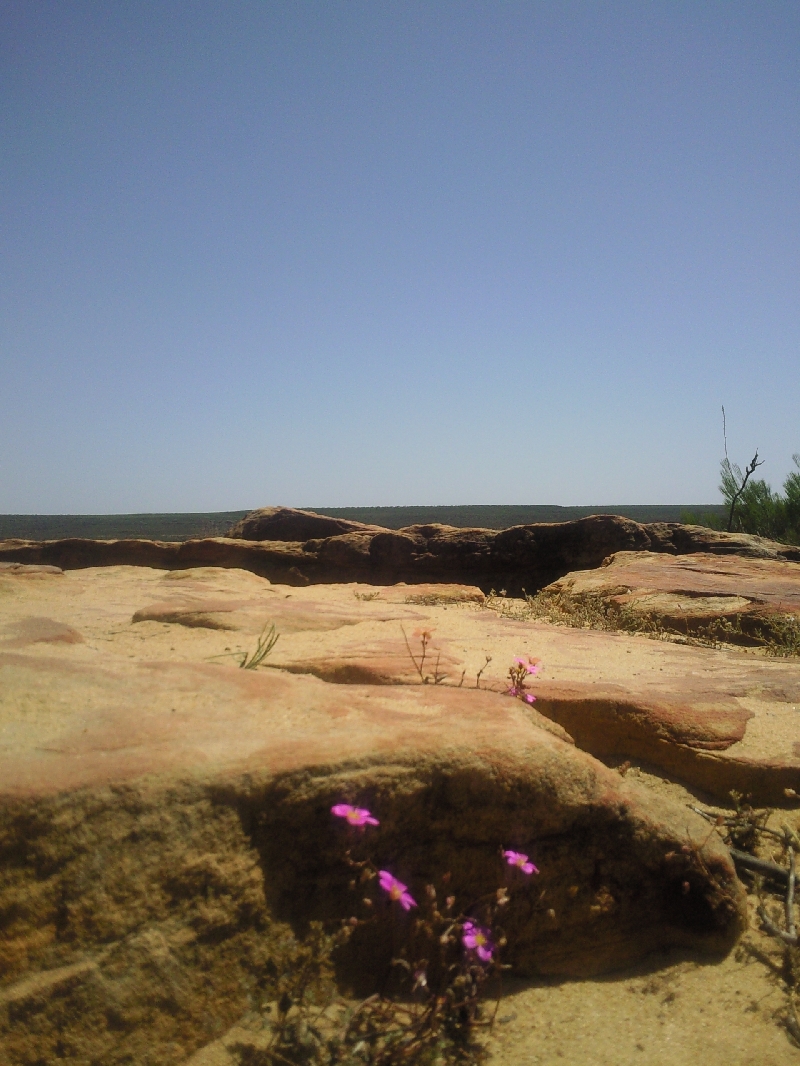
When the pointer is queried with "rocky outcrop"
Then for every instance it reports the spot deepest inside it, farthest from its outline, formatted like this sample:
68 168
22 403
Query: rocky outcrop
680 539
521 558
287 523
738 600
164 814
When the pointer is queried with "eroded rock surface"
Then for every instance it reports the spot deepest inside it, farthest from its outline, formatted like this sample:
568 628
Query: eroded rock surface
300 548
163 810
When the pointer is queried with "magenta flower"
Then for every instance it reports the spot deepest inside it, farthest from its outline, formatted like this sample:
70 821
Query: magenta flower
355 815
533 666
516 858
514 690
476 938
396 889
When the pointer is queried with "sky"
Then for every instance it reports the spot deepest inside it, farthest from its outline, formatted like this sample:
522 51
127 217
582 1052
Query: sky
324 253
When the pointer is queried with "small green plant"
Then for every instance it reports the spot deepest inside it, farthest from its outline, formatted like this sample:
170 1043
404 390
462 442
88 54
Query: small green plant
266 642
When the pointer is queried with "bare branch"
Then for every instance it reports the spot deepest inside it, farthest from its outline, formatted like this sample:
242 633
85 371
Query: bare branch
750 469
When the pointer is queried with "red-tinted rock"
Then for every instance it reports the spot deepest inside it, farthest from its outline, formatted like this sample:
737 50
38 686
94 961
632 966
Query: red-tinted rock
161 809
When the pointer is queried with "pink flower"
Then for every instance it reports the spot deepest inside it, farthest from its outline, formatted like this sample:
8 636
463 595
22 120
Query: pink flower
355 815
422 634
513 690
533 666
396 889
516 858
476 938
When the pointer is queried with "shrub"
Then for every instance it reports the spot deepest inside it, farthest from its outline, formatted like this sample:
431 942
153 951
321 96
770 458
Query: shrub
755 508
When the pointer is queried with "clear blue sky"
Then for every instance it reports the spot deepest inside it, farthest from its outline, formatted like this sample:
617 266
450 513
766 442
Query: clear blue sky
369 253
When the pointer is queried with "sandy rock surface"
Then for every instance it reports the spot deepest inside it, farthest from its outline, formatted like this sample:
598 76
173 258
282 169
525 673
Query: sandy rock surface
716 719
164 808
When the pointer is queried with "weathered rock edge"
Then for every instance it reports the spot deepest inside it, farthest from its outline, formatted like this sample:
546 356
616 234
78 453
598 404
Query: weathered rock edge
516 559
688 594
137 918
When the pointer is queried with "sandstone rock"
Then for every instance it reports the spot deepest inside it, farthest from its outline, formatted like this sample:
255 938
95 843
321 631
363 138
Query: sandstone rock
689 593
23 569
38 631
332 550
715 719
287 523
163 811
686 540
266 559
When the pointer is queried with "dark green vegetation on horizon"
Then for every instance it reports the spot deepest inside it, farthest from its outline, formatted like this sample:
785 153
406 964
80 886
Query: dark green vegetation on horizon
176 527
118 526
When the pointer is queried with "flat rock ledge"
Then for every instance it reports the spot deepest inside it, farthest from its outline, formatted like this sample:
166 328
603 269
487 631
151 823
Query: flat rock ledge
300 548
165 814
735 599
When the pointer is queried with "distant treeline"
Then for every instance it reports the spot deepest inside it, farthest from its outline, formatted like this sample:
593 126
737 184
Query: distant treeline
117 526
215 523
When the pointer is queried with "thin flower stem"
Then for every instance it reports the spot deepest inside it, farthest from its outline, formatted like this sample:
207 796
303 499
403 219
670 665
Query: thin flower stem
421 663
790 926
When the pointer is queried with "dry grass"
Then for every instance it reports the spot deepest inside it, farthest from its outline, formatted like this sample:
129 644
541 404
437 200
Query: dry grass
779 636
